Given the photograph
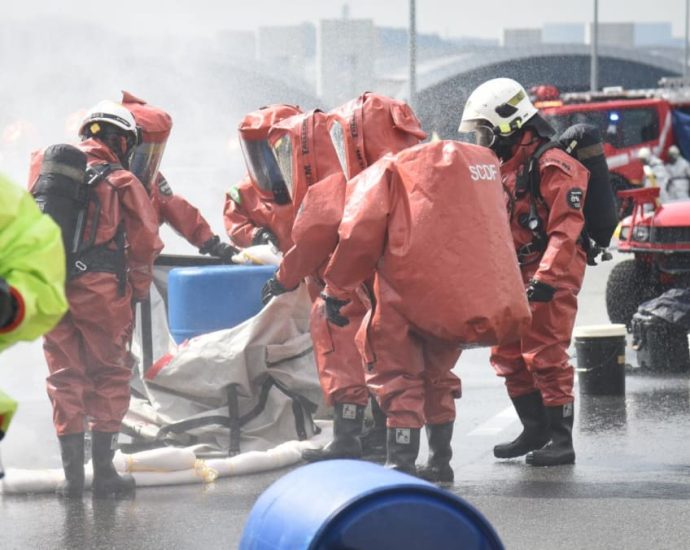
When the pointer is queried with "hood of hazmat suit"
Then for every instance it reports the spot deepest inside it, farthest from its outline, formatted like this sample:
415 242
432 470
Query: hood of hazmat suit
309 165
258 155
370 126
155 125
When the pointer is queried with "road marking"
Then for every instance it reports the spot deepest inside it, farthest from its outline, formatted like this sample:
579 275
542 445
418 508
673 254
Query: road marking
497 423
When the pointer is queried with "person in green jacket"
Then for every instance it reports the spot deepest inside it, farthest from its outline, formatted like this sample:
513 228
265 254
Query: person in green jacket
32 276
32 268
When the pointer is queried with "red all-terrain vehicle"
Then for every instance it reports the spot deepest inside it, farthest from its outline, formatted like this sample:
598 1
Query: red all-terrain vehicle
659 238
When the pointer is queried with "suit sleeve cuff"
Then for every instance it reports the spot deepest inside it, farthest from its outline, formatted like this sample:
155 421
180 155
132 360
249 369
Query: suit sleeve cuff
19 312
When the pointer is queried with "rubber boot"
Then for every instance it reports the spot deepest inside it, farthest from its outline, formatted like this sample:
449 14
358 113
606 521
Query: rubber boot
402 448
347 427
560 449
437 468
72 452
107 483
374 440
535 422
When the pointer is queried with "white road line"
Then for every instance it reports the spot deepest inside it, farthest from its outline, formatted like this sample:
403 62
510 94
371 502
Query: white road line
496 424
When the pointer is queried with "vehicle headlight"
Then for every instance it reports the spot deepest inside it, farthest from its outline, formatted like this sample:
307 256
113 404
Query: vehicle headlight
641 233
625 231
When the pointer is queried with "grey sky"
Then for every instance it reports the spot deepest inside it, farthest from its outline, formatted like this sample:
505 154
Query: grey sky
483 18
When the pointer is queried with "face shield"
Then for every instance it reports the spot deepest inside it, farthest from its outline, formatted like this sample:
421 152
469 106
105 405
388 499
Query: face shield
338 138
477 132
145 161
262 165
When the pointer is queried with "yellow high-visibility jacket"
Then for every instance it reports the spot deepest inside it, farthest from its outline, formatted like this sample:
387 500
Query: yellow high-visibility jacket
32 261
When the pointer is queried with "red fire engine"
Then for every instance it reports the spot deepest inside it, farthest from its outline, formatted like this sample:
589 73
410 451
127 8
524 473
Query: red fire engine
628 120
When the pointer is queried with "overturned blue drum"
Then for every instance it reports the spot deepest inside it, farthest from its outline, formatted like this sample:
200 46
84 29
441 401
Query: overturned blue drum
359 505
209 298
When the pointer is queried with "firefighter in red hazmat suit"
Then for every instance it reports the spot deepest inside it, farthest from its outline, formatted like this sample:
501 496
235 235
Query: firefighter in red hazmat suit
428 297
384 125
87 353
546 233
254 213
170 208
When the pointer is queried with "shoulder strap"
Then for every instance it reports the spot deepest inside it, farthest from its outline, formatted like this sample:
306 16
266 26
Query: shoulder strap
534 223
94 175
533 167
99 172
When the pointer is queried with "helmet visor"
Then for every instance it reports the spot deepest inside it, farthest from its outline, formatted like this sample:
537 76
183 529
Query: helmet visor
263 166
145 162
338 138
476 132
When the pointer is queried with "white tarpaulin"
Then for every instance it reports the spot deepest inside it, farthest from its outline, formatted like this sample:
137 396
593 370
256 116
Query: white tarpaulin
186 397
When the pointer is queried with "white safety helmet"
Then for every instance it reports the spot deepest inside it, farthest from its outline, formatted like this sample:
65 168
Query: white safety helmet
498 107
109 112
673 152
644 154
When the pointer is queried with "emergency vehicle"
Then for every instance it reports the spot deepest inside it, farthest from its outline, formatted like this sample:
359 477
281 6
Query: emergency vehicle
628 120
658 237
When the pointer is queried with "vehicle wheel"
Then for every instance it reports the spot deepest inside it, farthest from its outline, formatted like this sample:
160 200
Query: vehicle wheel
628 286
619 183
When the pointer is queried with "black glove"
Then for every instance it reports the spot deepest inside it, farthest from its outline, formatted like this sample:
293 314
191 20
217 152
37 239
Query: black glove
333 306
8 305
265 236
214 247
272 288
539 292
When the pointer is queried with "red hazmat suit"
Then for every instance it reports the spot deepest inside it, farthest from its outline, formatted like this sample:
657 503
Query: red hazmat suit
179 214
252 205
87 353
370 126
317 176
540 359
172 209
371 118
430 221
248 210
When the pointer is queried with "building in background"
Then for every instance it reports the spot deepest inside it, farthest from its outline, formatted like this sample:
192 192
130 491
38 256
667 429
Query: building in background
620 35
563 33
634 35
521 38
654 34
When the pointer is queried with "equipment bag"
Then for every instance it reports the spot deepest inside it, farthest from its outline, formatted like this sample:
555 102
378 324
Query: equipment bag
583 142
64 190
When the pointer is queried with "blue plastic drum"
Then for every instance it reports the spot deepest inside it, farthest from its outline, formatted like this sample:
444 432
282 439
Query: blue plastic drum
359 505
209 298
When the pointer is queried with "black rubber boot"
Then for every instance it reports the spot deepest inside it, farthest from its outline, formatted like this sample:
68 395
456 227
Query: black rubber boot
402 448
107 483
535 422
72 451
347 427
374 439
437 468
560 449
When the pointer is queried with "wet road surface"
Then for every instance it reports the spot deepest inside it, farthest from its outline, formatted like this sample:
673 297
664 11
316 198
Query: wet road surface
630 487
